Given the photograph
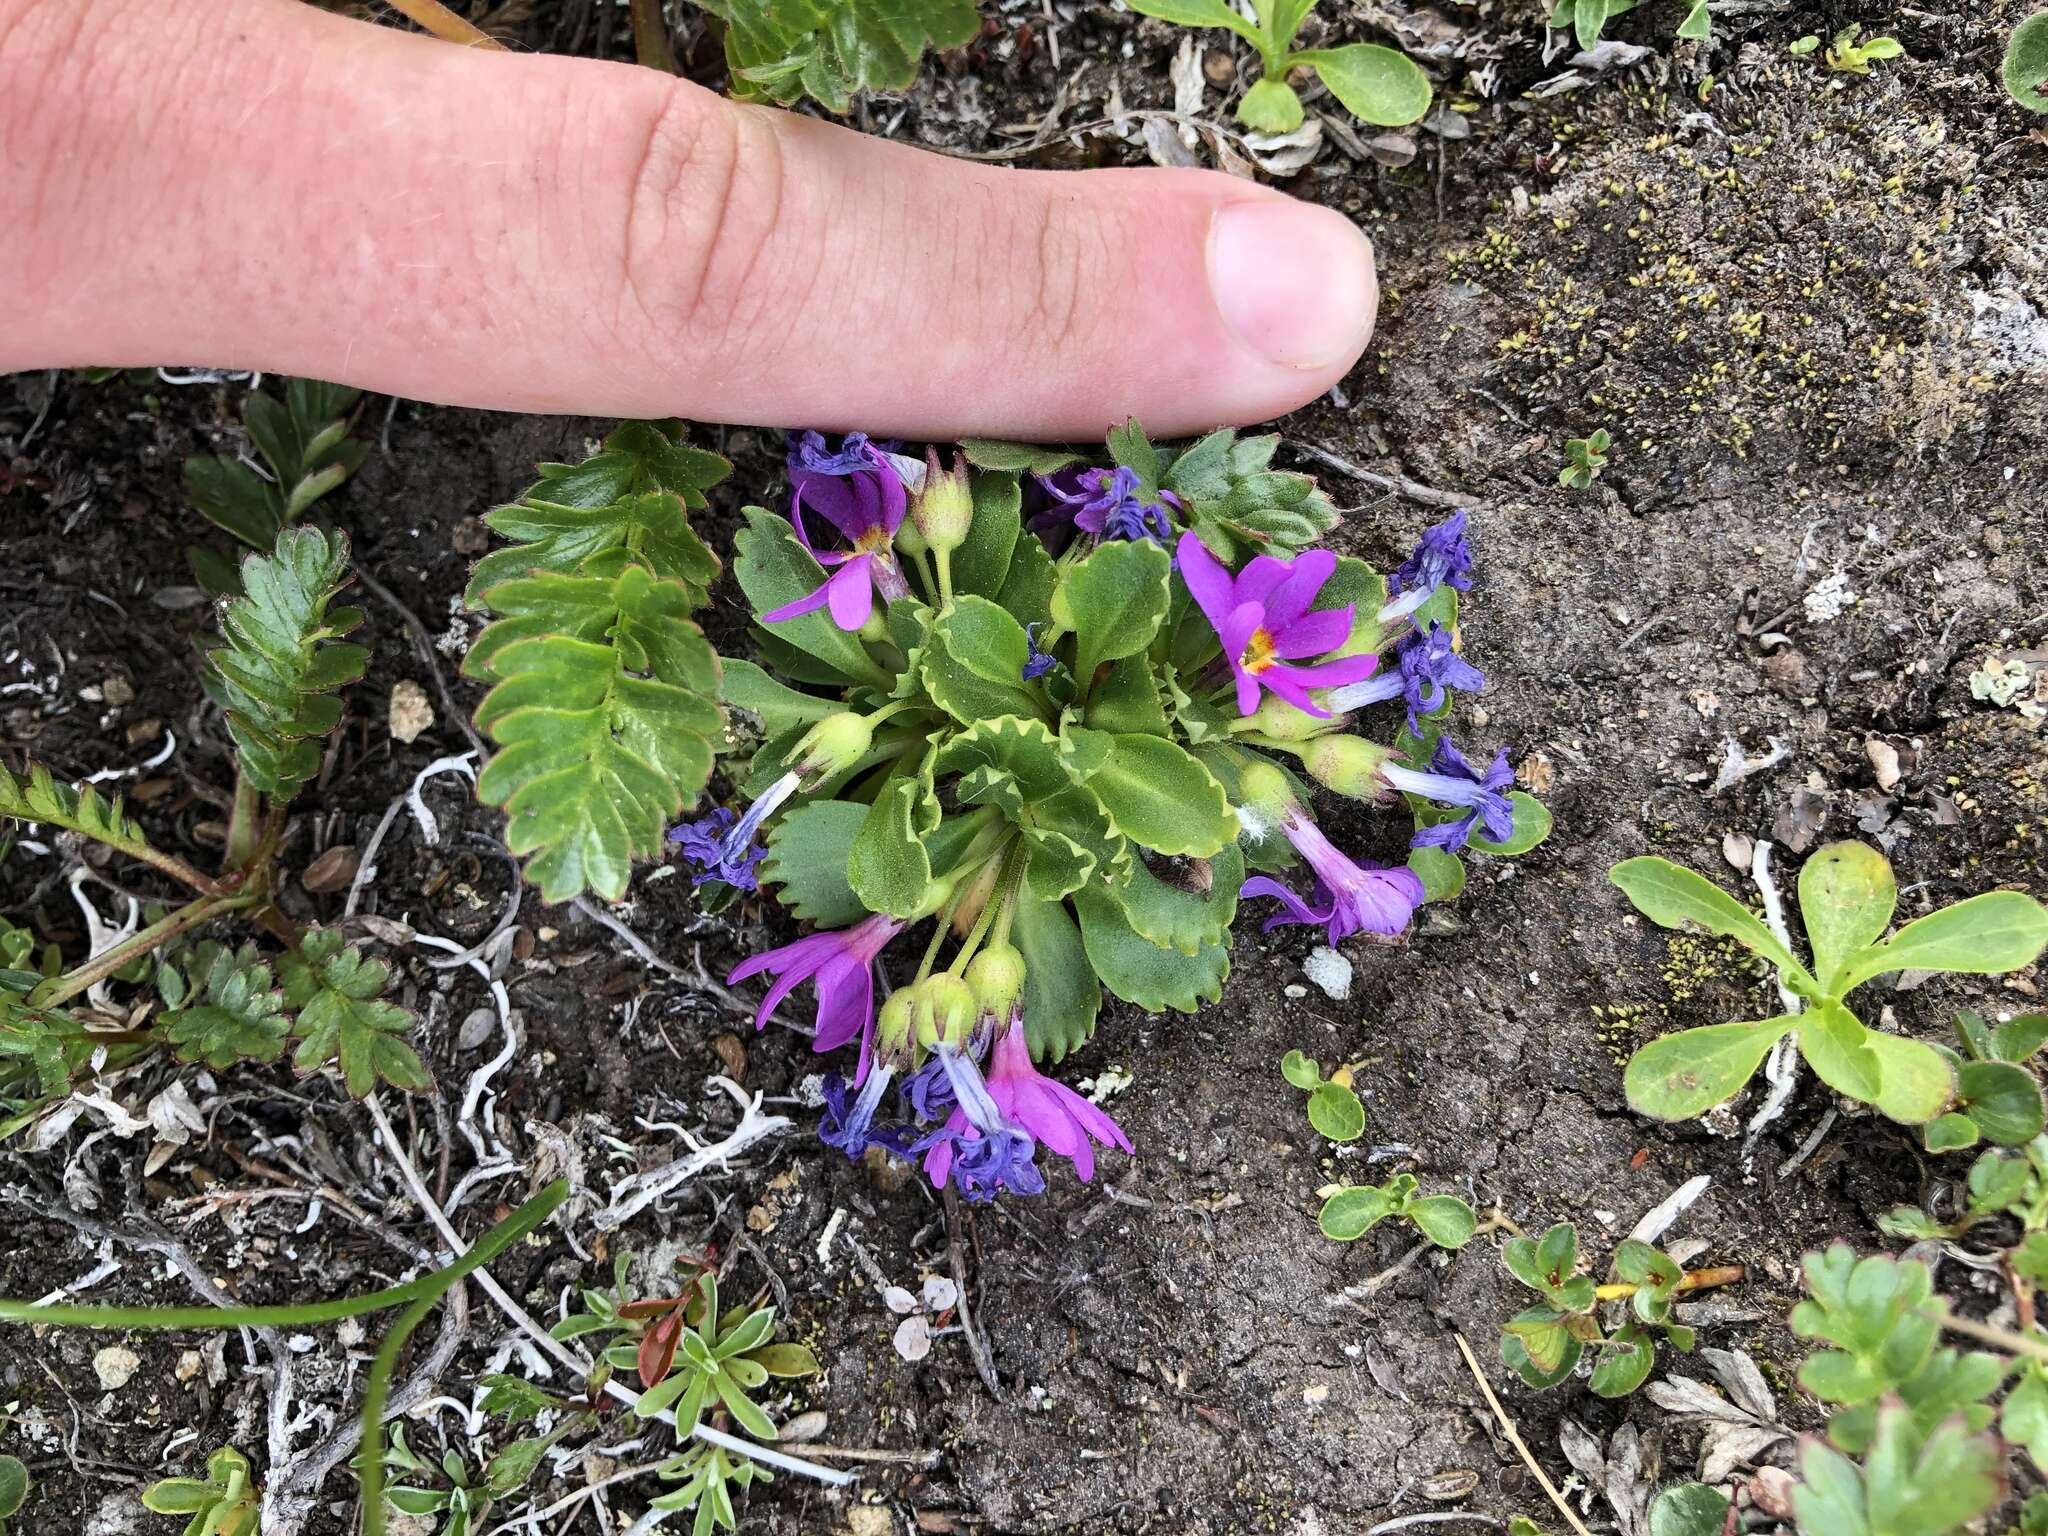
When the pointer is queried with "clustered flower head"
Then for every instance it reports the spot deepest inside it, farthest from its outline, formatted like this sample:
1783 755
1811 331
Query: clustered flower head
1266 653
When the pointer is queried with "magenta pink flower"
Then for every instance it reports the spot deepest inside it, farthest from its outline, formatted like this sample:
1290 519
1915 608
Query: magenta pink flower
1050 1113
1262 617
1350 897
840 965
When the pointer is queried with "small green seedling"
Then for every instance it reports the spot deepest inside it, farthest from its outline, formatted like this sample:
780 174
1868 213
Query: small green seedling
1847 896
226 1502
780 50
697 1358
1997 1185
2026 63
1351 1212
306 445
1333 1107
13 1489
1847 56
1375 84
1584 459
1587 18
1544 1344
1907 1447
463 1504
1997 1099
708 1474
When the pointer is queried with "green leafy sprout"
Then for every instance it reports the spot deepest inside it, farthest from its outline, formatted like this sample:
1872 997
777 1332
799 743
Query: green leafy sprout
276 674
780 50
1375 84
1351 1212
1545 1343
1847 898
14 1486
1584 459
1587 19
228 1501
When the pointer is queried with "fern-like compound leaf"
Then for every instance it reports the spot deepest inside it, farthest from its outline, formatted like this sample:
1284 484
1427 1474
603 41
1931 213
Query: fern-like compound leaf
829 49
605 716
235 1013
81 809
630 501
277 671
343 1019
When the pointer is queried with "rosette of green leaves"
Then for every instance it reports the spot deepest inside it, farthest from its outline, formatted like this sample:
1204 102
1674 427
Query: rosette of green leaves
603 702
708 1474
1126 865
1847 896
780 50
719 1359
228 1501
1375 84
1997 1098
1544 1344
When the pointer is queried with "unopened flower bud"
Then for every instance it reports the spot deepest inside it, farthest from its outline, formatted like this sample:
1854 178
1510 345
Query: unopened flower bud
875 628
944 507
895 1025
1278 720
943 1010
1350 765
996 976
1264 790
833 746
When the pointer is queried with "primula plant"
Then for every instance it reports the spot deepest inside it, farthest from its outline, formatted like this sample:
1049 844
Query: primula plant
1847 896
1375 84
228 1501
1068 715
1544 1344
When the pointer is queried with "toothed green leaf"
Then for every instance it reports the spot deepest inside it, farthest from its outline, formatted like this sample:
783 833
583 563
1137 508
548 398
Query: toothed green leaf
236 1013
343 1019
829 49
280 660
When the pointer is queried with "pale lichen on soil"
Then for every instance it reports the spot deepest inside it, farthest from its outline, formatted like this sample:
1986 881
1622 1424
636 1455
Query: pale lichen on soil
1809 310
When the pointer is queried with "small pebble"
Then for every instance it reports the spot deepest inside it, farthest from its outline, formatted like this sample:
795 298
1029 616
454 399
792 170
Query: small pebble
1330 971
115 1365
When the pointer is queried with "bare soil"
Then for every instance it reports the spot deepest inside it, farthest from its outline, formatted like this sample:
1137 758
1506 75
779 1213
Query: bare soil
1809 308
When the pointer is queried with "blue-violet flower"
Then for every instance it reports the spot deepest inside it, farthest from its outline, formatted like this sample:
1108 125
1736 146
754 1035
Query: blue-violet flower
1443 557
1453 781
1427 667
1106 503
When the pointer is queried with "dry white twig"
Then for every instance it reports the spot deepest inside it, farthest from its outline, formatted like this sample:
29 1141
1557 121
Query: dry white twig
634 1194
1781 1070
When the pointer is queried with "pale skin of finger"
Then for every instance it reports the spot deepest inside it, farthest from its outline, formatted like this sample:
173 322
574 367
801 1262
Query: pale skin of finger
259 184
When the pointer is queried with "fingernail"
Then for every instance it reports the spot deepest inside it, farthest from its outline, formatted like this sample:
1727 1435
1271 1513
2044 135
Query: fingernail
1293 281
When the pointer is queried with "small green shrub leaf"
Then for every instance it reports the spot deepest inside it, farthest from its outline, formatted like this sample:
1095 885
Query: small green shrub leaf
1532 826
1113 602
1690 1509
1150 975
780 50
2002 1101
1302 1071
887 866
808 852
1270 106
1445 1220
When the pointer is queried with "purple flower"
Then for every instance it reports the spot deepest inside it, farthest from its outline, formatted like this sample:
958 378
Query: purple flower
703 844
1106 503
851 1128
1048 505
860 491
1443 557
1261 616
986 1140
1350 897
1428 667
929 1092
840 965
1453 781
1038 663
978 1149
